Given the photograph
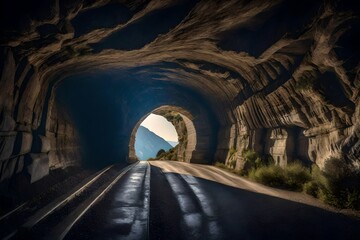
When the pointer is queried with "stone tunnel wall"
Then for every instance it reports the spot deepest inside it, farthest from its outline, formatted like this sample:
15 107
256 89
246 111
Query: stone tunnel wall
308 127
26 147
196 136
64 149
186 135
278 77
194 133
314 131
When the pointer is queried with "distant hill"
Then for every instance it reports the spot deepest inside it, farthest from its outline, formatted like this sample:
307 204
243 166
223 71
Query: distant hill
147 144
172 143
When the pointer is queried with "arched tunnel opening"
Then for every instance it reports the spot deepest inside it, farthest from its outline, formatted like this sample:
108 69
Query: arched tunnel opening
155 136
262 95
114 109
187 147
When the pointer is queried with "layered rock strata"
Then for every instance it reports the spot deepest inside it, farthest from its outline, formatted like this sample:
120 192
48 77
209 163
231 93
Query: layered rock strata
279 77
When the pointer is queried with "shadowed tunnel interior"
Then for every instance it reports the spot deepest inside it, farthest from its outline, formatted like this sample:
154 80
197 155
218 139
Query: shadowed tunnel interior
76 77
276 79
107 108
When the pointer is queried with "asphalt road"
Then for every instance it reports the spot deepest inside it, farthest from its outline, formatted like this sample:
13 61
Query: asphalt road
215 204
173 200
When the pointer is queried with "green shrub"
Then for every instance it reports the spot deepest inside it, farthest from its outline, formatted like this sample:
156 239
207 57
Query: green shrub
171 154
292 177
273 175
353 199
318 176
316 187
258 162
312 188
159 153
231 160
339 186
250 155
341 194
336 168
220 165
251 158
232 151
296 176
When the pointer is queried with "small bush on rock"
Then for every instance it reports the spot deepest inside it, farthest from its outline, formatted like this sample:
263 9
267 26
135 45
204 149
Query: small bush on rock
296 176
220 165
338 186
252 160
273 175
171 154
312 188
343 184
159 153
292 177
316 187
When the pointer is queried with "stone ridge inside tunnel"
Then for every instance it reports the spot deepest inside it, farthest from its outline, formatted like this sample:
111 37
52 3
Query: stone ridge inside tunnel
278 77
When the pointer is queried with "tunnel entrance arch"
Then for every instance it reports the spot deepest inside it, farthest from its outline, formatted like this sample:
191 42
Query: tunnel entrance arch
189 145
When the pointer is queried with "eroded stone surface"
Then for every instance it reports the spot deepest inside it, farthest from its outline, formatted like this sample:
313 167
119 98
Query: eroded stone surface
259 66
37 166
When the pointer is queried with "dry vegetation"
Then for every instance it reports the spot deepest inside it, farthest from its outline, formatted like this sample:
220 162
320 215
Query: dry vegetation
338 185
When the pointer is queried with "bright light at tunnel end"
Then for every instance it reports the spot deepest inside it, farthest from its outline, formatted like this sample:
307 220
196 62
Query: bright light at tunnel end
161 127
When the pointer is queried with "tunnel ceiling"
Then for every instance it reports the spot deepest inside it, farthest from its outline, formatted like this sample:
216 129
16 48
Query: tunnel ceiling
254 64
229 51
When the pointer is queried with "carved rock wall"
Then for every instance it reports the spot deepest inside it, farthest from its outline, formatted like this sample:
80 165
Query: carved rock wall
278 77
63 140
25 146
178 121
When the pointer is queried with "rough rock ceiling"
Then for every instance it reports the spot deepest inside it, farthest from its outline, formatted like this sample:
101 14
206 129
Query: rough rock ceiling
233 50
255 69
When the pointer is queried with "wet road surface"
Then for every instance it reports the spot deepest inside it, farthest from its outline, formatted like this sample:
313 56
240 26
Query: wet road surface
122 213
189 201
173 200
216 204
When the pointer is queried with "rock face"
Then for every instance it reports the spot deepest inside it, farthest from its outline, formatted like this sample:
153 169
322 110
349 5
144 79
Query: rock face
31 145
180 126
147 144
61 141
279 77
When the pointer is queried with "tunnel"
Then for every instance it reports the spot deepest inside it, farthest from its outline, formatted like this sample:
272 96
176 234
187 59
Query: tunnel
196 146
133 100
276 79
